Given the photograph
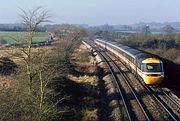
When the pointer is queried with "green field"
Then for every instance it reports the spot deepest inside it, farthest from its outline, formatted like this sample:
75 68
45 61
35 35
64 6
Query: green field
7 36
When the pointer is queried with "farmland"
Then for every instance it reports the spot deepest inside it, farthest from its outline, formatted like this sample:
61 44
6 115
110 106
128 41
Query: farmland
7 37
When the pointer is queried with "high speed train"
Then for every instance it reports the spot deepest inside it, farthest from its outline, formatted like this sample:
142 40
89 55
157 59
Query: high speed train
143 65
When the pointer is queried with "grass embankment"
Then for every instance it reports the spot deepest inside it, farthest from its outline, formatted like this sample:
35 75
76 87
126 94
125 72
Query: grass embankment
17 101
85 79
7 37
79 89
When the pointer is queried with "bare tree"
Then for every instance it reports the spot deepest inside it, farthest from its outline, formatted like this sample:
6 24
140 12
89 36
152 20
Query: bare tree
38 69
32 19
34 61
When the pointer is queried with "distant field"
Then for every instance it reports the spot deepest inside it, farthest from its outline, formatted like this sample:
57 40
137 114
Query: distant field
7 36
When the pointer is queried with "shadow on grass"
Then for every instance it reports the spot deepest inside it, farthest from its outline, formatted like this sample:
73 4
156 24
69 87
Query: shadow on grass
84 71
80 97
172 74
7 66
104 111
76 97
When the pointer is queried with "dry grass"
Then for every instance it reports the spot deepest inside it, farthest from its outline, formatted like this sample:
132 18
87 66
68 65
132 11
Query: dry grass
82 55
16 54
3 53
90 115
5 82
88 81
91 80
170 54
86 76
84 66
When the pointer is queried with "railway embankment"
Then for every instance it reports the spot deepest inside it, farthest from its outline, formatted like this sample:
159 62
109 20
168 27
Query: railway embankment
85 89
110 109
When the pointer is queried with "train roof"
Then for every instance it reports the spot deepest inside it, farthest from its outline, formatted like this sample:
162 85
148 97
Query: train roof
133 51
139 55
125 47
113 42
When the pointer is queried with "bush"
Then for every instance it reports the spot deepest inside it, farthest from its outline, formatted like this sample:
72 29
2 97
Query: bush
166 44
150 44
130 43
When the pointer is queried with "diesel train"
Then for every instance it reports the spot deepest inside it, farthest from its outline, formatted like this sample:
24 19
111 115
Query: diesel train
143 65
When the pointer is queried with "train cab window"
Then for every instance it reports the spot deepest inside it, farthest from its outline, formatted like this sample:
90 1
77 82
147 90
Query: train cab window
152 67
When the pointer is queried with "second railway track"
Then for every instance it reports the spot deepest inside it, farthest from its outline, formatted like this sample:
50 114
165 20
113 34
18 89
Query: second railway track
167 111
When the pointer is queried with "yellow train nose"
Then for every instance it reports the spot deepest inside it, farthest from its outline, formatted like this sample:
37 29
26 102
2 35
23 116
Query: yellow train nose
153 79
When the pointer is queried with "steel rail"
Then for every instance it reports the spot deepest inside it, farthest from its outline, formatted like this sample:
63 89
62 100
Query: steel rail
157 98
162 103
117 85
114 79
170 98
132 90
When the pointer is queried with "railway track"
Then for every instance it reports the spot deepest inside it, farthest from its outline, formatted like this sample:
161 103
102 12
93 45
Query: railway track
115 80
140 108
131 112
135 109
162 103
167 101
170 97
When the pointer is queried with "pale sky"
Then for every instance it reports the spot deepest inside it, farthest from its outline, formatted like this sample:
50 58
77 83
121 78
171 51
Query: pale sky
96 12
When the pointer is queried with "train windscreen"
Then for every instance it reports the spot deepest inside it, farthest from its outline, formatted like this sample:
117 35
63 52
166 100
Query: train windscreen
152 67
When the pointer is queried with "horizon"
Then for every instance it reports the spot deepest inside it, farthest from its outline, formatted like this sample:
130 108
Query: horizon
104 24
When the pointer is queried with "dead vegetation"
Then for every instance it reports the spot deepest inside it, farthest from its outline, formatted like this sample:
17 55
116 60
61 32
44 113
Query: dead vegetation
85 74
45 93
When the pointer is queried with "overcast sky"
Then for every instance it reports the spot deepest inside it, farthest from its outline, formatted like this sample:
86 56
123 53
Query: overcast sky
96 12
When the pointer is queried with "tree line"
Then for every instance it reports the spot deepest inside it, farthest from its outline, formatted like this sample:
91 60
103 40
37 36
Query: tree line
18 28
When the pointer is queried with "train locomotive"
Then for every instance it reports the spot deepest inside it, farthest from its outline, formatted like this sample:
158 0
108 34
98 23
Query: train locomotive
143 65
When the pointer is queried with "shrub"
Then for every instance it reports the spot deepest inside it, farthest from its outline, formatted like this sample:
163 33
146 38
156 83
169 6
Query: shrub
166 44
150 43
